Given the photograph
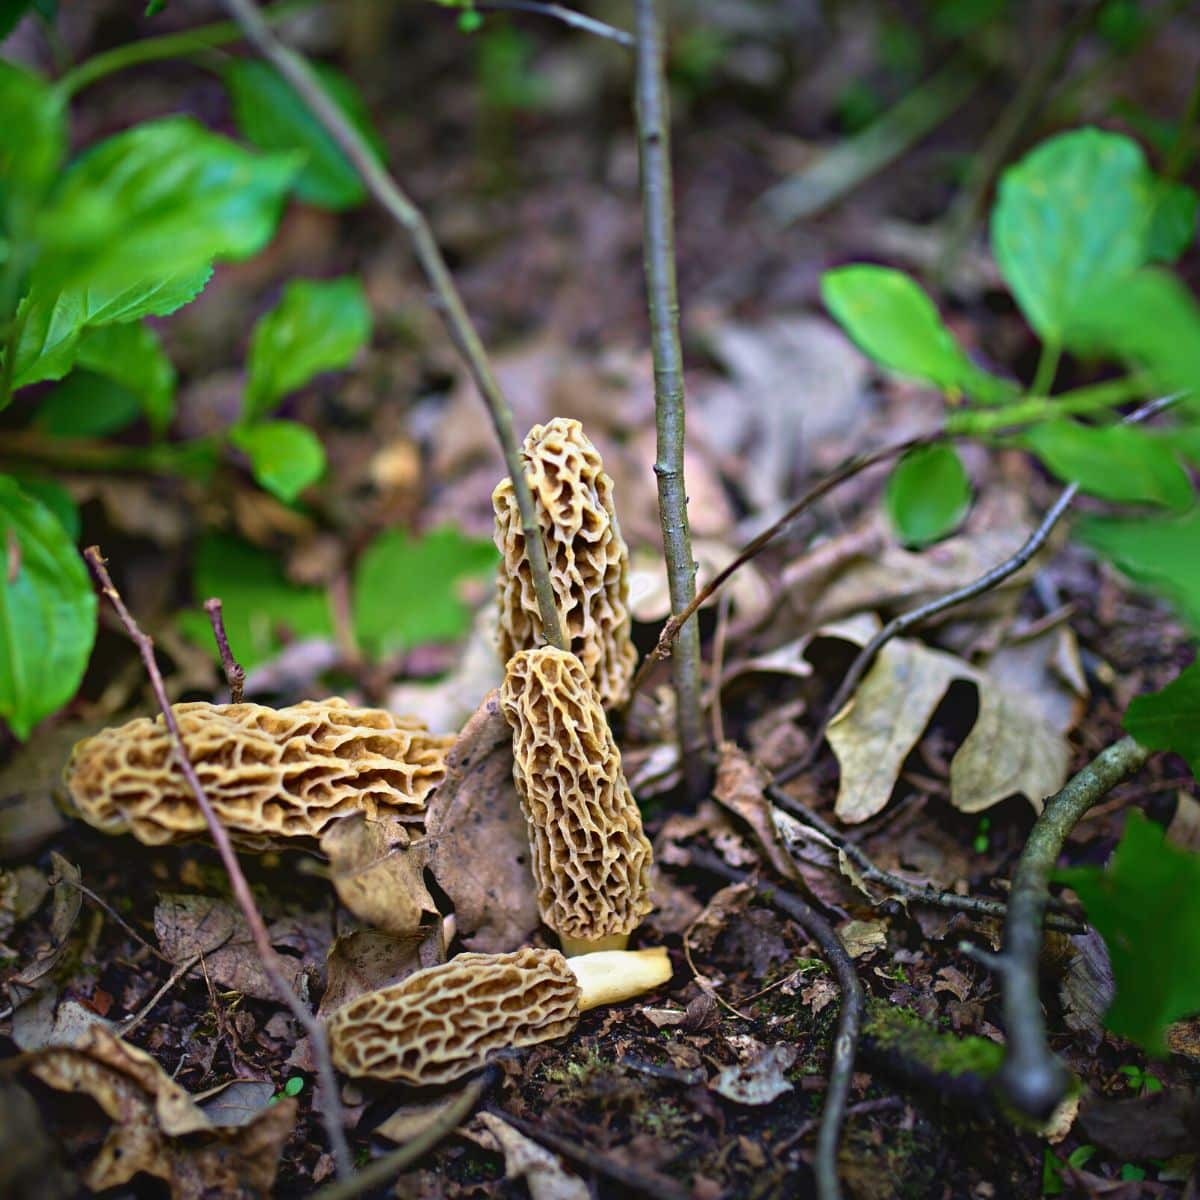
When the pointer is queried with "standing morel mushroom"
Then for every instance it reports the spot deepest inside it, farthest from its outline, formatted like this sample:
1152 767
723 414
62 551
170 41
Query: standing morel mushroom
588 558
272 774
591 860
443 1022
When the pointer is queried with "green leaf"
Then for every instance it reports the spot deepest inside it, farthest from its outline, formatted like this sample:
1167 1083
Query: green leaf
294 1086
271 116
33 135
927 495
317 326
1170 719
895 323
55 497
405 591
1115 462
158 201
260 605
1163 555
1146 904
132 355
1173 223
47 611
86 405
1071 217
284 456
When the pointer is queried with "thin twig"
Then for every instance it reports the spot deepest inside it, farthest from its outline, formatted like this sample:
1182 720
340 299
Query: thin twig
824 485
633 1180
330 1102
385 1168
235 673
176 975
1032 1079
82 888
658 242
568 16
925 612
918 893
845 1046
391 197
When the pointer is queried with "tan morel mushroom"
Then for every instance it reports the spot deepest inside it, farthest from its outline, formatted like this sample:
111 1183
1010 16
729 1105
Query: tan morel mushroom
445 1021
272 774
591 860
589 561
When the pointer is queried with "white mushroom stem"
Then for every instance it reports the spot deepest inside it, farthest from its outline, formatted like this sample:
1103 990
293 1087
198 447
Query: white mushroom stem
572 946
611 976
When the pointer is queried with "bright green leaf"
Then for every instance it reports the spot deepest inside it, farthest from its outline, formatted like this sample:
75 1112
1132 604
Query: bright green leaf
1115 462
47 611
260 605
284 456
896 324
273 117
1071 217
86 405
317 326
294 1086
1170 719
406 590
56 498
33 136
927 495
132 355
1162 555
1173 223
1146 904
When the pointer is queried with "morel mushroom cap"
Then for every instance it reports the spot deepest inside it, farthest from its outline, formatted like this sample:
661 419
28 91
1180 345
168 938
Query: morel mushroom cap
272 774
446 1021
588 558
590 858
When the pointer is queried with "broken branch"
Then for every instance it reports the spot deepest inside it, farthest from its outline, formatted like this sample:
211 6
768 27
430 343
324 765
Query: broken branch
235 673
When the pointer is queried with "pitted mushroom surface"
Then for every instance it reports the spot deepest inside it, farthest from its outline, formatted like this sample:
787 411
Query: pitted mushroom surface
590 857
588 558
272 774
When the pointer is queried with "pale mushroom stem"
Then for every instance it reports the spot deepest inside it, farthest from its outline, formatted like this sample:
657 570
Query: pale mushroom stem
611 976
571 945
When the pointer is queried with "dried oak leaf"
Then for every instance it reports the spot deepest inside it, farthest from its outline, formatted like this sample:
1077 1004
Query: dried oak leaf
158 1128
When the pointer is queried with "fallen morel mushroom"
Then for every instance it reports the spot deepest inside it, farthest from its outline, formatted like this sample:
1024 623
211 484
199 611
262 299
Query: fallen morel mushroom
591 860
272 774
445 1021
588 558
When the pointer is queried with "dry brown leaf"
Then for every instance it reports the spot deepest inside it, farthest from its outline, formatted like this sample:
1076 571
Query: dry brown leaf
158 1128
543 1172
29 1166
761 1079
365 960
477 840
38 973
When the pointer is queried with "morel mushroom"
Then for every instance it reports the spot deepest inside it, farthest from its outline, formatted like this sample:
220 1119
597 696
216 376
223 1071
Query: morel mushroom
443 1022
272 774
590 858
588 558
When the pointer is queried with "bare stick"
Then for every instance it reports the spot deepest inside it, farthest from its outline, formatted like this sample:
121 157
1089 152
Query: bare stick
845 1046
978 906
1032 1079
924 612
848 469
330 1102
131 1023
83 889
235 673
384 1169
658 239
389 195
568 16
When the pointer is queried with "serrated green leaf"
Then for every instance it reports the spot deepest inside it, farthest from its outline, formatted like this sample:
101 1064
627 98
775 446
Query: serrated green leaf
1173 222
1071 217
1146 904
927 495
284 456
160 200
1170 719
260 605
896 324
47 611
132 355
1115 462
1162 555
273 117
317 326
86 405
406 590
